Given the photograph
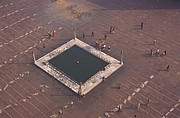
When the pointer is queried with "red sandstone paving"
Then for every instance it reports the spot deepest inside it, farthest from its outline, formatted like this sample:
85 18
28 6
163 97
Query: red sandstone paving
5 81
125 36
2 84
19 109
150 96
4 115
129 106
144 107
5 56
2 103
172 116
176 112
13 113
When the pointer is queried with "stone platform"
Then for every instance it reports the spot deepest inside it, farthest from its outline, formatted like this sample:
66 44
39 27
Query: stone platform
113 65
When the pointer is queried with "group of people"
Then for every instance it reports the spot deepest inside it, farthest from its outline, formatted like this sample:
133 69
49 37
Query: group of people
157 52
85 35
51 34
120 106
101 46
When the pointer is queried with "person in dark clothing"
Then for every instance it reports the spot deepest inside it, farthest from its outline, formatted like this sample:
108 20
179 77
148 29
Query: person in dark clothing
92 34
142 25
105 36
168 68
83 35
44 45
164 53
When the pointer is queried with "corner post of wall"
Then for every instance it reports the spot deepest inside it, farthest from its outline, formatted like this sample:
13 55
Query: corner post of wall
122 58
34 57
80 89
74 29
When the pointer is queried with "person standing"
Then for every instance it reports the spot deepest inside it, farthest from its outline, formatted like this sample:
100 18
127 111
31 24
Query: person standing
103 47
111 27
119 86
83 35
138 105
157 52
109 48
154 42
112 30
105 36
96 43
120 108
44 45
148 101
151 52
54 33
92 34
142 25
49 34
164 53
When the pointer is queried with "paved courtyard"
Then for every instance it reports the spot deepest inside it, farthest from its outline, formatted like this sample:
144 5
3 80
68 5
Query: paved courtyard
27 91
80 68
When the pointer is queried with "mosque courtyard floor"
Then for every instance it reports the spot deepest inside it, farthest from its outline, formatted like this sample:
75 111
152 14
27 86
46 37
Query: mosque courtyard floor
27 90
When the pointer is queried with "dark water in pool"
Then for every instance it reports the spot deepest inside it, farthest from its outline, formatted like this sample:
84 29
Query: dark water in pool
68 63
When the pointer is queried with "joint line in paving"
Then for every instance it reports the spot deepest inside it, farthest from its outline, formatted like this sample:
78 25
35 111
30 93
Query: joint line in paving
22 19
4 16
136 91
27 33
6 5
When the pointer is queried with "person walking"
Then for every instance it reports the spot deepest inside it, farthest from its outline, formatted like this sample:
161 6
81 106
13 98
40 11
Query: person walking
168 68
142 25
